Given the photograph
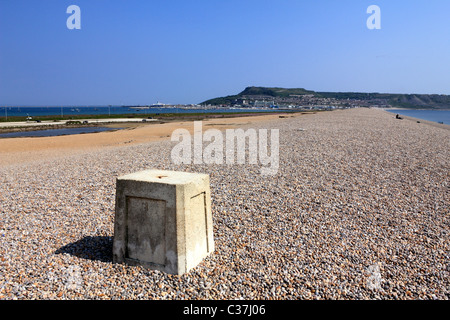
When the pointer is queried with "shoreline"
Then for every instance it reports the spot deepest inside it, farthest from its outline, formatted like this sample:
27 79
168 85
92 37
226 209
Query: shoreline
398 108
417 120
6 127
26 149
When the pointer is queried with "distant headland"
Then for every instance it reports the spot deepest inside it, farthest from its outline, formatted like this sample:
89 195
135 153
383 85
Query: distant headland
294 97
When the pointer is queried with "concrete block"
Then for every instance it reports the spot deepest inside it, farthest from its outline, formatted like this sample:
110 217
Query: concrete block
163 220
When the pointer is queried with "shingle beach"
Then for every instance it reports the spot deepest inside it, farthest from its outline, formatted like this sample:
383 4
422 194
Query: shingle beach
359 209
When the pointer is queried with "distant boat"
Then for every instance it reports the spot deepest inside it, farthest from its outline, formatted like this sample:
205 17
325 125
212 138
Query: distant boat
157 105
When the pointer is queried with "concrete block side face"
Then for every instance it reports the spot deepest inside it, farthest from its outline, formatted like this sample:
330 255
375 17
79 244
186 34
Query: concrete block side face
146 230
198 226
171 238
205 187
196 236
144 227
209 221
151 235
181 229
143 189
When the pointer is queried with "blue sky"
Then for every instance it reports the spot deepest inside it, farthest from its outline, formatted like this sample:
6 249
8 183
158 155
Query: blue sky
140 51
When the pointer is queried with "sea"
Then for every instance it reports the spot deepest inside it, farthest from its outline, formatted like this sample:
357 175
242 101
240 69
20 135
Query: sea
113 110
430 115
55 132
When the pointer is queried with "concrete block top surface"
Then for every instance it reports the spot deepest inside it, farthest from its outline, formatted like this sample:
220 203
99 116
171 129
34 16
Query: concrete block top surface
164 176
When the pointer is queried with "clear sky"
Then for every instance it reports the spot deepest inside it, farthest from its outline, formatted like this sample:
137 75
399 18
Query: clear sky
141 51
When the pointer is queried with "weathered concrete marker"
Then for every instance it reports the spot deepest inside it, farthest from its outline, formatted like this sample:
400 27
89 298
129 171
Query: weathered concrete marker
163 220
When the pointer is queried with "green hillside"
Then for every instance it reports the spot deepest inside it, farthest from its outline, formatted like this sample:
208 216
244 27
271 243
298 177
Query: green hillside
431 101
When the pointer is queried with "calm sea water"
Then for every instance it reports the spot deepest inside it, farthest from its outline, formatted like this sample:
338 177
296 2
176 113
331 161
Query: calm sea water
66 111
55 132
430 115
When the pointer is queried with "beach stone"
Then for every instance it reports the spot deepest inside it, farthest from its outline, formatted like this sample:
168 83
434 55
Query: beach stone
163 220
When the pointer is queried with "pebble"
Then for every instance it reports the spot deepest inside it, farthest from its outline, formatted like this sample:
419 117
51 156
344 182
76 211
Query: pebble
359 209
